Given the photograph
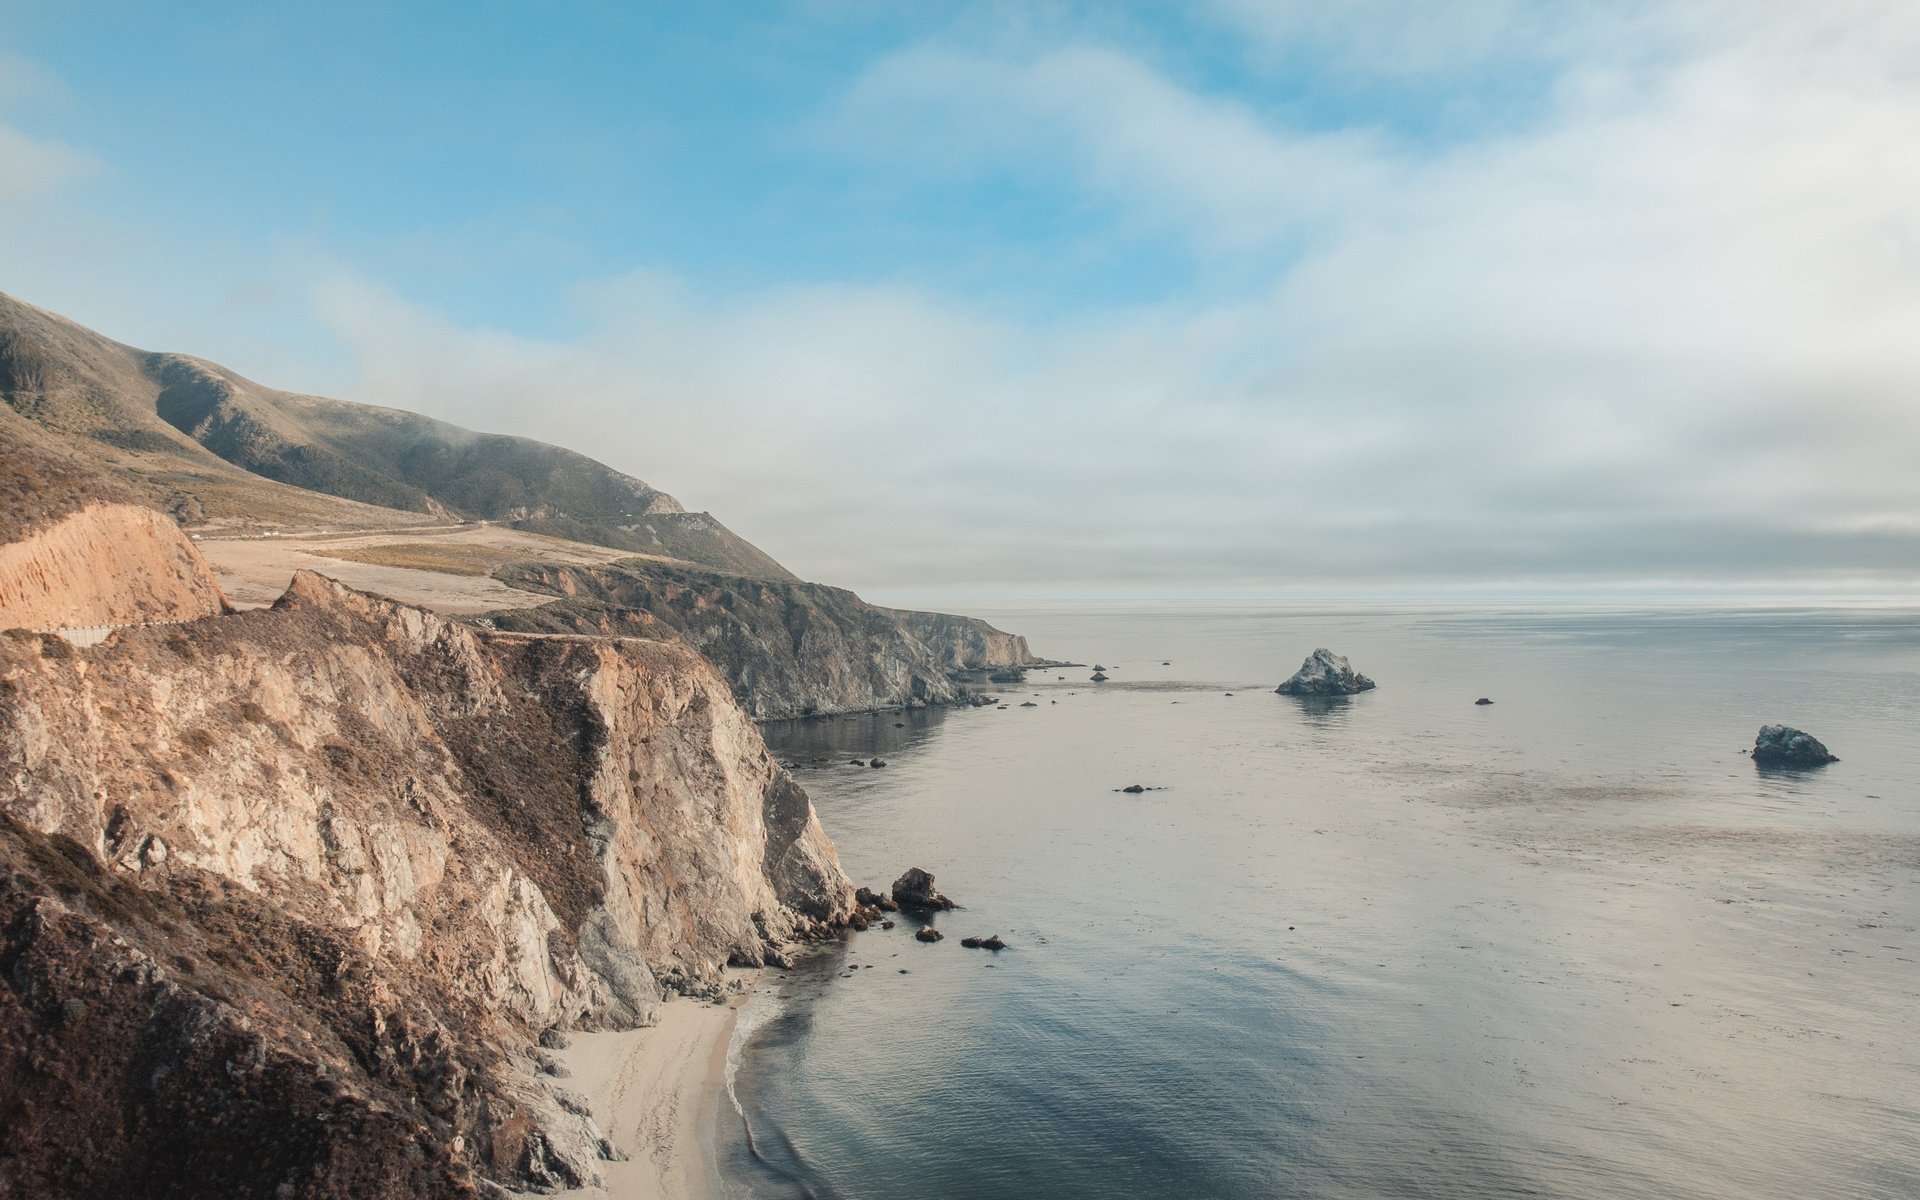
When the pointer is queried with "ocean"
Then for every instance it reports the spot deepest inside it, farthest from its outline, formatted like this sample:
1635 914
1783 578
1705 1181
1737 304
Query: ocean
1570 944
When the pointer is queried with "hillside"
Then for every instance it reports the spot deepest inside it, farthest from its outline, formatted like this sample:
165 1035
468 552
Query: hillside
217 450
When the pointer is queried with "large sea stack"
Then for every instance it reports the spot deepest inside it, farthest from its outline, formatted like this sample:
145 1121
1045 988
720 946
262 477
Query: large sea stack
1785 746
1325 673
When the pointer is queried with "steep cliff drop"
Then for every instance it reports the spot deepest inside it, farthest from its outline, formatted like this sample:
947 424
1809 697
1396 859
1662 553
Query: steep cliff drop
288 897
789 649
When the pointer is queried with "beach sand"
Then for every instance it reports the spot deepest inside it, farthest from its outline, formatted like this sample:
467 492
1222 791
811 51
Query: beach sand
655 1092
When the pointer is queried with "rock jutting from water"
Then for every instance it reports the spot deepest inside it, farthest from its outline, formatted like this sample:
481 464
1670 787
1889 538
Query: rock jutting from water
991 942
928 934
1785 746
868 898
1325 673
914 892
1483 702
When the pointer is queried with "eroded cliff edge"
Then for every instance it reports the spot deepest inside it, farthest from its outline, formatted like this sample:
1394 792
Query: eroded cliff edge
287 897
789 649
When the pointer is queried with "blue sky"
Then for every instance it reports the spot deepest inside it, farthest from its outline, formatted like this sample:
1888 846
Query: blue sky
488 155
1233 296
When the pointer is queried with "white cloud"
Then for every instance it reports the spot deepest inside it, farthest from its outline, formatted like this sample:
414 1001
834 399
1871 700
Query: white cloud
32 168
1661 329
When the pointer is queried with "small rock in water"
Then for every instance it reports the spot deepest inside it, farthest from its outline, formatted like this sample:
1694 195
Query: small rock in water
1028 704
1099 677
1785 746
856 762
929 934
868 898
1325 673
1483 700
1098 667
878 762
914 892
992 942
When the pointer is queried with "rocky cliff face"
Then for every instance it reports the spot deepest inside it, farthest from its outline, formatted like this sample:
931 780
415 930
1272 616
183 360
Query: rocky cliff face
788 649
287 897
106 564
964 643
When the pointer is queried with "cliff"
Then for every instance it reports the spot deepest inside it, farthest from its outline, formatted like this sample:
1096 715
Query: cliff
964 643
788 649
288 897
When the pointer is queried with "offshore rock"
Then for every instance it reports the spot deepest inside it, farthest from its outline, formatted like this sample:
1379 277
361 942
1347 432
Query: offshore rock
868 898
914 892
1785 746
1325 673
928 934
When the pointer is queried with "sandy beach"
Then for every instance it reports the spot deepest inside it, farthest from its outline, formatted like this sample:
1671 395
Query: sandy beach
654 1092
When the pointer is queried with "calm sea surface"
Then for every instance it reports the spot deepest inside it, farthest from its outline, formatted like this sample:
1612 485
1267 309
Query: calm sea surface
1572 944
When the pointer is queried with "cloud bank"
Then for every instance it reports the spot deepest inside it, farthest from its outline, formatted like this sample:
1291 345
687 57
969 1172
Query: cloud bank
1661 330
1619 297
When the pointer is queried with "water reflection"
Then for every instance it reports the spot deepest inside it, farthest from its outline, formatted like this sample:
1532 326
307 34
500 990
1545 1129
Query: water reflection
814 742
1323 710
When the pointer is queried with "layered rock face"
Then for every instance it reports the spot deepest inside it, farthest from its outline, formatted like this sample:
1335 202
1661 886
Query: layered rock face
964 643
788 649
106 564
287 897
1325 673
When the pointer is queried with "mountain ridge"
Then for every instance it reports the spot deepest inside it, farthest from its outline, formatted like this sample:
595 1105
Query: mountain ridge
208 445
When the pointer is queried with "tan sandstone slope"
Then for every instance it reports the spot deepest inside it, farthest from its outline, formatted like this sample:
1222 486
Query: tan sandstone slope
106 564
288 897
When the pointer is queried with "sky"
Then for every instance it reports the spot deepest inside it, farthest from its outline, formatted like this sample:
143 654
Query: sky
934 300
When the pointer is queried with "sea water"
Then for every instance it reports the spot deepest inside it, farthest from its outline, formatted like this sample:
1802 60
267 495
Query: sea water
1570 944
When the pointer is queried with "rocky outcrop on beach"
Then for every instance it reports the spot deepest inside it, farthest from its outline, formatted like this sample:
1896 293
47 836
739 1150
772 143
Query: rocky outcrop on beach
1785 746
789 649
1325 673
288 897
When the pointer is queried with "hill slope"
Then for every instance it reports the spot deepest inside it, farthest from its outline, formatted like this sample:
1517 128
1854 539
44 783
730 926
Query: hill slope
211 446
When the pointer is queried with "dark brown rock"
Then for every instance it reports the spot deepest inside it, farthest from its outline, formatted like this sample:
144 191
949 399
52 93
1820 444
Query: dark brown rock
914 892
